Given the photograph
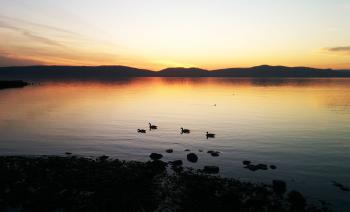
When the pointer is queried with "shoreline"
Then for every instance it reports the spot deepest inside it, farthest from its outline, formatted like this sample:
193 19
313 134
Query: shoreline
72 183
4 84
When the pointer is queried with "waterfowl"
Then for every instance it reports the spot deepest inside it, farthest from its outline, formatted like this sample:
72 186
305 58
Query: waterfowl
185 130
152 127
141 131
210 135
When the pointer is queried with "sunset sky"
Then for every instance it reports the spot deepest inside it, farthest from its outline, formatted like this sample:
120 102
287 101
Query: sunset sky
156 34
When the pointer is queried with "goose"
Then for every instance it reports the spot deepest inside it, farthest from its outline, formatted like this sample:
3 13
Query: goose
210 135
185 130
152 127
141 131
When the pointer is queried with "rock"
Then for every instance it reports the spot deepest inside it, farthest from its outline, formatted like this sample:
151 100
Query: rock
155 156
273 167
340 186
262 166
68 153
297 200
251 167
193 158
211 169
279 186
246 162
200 150
169 150
159 164
187 150
215 154
103 157
176 163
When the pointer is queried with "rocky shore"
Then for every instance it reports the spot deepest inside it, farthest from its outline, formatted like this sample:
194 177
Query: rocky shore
54 183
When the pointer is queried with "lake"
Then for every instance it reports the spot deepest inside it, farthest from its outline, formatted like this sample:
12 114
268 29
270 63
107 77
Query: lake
300 125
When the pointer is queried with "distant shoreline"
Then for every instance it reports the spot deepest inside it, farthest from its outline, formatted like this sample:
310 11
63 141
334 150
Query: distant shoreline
115 72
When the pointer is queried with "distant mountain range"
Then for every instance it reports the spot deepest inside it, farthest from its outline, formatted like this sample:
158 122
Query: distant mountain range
114 72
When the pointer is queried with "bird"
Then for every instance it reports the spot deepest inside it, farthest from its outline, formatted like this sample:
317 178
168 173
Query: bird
141 131
185 130
210 135
152 127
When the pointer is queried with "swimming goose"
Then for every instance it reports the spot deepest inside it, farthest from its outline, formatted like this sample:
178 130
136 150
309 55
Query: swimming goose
152 127
185 130
210 135
141 131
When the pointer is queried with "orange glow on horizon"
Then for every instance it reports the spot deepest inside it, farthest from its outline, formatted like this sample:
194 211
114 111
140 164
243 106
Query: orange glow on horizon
160 34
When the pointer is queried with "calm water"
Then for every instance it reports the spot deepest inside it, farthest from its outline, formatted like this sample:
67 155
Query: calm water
300 125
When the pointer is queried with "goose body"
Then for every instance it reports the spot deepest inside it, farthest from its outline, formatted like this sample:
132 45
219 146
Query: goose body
141 131
152 127
210 135
185 130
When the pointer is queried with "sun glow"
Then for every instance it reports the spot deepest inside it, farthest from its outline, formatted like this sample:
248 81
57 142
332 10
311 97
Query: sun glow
158 34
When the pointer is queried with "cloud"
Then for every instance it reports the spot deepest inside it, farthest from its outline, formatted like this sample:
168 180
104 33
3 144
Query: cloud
17 21
41 39
31 35
30 43
339 49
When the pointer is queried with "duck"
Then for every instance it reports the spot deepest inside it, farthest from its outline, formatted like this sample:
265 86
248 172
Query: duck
210 135
185 130
152 127
141 131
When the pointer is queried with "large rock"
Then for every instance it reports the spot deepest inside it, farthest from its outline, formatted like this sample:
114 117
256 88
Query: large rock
155 156
193 158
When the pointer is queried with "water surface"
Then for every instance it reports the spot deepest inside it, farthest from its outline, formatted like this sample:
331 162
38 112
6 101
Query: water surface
300 125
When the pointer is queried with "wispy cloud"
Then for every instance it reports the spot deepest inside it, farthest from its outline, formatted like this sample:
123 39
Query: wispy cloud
20 21
339 49
29 34
32 43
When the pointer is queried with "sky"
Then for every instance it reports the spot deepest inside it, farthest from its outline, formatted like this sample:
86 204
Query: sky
157 34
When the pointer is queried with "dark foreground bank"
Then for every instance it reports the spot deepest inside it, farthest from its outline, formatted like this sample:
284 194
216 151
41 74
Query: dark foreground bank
84 184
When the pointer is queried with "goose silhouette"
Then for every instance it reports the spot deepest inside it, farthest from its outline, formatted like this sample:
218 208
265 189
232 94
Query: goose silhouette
141 131
185 130
152 127
210 135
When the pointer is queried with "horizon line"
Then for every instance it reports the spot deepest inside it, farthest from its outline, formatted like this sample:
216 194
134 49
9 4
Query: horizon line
174 67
